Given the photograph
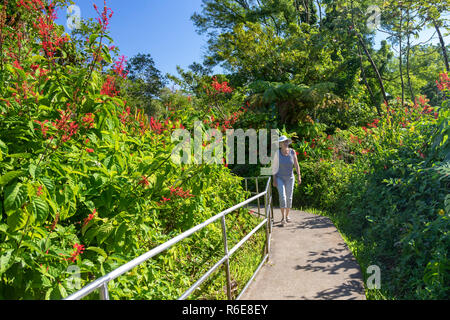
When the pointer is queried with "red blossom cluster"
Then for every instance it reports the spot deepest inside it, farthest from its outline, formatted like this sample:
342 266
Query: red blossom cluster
444 82
221 87
160 127
79 249
137 121
44 128
374 124
355 139
65 126
163 201
88 121
181 193
109 87
104 17
50 40
226 124
31 5
144 181
217 87
39 191
119 67
89 218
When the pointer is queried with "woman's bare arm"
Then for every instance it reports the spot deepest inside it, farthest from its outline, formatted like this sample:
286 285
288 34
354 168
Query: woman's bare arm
297 167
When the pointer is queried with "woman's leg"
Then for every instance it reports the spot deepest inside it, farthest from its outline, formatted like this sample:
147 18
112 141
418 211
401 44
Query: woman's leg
289 186
282 196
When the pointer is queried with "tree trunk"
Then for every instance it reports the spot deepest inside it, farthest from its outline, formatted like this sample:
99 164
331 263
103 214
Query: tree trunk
408 52
363 74
374 66
400 58
444 49
372 63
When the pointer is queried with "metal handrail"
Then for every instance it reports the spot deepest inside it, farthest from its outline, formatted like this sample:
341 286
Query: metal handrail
102 283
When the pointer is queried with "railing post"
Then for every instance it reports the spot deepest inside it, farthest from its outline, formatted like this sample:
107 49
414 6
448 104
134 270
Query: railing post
271 205
266 203
227 261
257 192
104 294
246 189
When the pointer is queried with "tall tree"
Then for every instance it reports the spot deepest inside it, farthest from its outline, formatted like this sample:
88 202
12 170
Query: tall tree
145 81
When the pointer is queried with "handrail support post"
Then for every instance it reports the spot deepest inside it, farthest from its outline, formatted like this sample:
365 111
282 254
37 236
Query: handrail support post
227 261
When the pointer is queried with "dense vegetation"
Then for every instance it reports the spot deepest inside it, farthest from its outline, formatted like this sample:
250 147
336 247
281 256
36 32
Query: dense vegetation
85 143
86 179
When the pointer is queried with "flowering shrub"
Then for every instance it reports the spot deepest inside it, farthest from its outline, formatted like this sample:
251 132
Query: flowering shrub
82 173
385 186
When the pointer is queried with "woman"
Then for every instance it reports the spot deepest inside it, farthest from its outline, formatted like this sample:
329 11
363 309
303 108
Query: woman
284 177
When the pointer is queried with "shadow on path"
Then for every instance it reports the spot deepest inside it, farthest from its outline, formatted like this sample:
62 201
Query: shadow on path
308 260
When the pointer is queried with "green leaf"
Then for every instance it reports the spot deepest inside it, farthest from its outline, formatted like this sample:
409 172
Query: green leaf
7 178
92 38
20 155
14 197
5 261
32 170
17 220
3 147
62 290
48 183
99 251
104 232
48 294
40 209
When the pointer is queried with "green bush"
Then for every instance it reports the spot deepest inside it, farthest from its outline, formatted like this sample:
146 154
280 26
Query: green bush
392 201
87 180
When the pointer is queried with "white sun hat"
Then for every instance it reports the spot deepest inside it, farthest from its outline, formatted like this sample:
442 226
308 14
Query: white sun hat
283 139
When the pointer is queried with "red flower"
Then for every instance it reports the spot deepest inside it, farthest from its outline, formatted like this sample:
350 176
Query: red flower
88 150
88 121
109 87
119 67
221 87
79 249
66 128
144 181
104 17
89 218
17 65
39 191
44 128
180 193
444 82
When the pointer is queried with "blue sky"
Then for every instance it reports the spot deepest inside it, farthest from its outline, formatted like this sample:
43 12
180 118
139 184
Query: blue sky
162 28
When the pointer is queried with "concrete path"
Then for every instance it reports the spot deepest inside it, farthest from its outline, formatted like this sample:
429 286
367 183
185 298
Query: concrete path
309 260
